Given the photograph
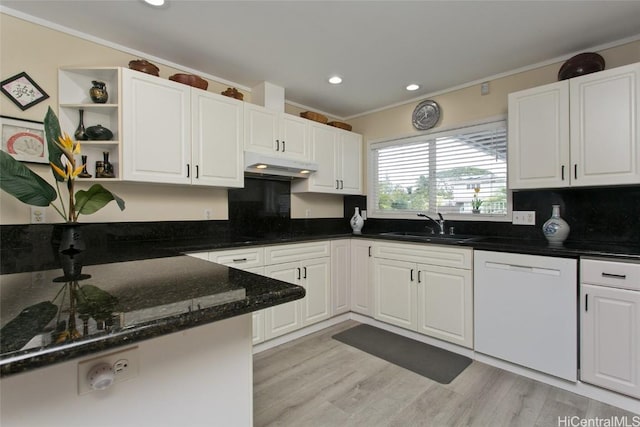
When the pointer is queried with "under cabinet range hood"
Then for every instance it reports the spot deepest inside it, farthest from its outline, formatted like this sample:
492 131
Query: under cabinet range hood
257 164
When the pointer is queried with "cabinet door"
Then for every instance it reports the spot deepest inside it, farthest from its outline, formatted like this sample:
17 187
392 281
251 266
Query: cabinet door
445 304
293 137
340 276
349 162
217 134
605 144
316 279
538 145
283 318
610 338
361 277
156 124
395 292
261 129
323 146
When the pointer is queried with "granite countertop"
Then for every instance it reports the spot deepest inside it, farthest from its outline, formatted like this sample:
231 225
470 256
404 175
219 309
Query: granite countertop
123 295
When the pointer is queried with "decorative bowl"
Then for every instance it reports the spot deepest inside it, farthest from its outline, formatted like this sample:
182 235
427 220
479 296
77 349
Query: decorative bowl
191 80
99 133
144 66
232 92
340 125
316 117
581 64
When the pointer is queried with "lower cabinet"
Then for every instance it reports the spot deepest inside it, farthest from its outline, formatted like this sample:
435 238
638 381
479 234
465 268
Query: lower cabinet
361 276
435 300
340 276
610 325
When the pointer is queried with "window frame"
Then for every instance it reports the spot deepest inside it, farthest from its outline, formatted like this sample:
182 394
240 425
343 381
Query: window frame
373 212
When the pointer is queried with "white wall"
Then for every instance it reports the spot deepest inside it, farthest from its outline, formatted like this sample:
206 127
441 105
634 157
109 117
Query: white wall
199 377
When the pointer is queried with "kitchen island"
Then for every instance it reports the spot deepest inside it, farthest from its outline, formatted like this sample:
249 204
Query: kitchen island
186 323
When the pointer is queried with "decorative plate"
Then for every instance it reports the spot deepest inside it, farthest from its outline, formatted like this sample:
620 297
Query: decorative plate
426 115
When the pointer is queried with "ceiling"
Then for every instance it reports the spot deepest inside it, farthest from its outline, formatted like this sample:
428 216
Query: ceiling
378 47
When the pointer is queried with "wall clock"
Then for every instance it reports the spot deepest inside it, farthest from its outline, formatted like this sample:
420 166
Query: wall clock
426 115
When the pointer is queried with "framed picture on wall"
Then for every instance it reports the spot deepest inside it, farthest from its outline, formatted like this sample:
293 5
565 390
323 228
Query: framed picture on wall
24 140
23 91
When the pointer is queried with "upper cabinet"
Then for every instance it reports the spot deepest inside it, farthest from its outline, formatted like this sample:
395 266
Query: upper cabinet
339 156
274 133
577 132
177 134
74 99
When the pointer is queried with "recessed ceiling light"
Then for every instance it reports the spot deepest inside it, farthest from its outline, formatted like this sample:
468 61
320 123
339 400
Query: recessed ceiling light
262 166
304 171
413 86
335 80
156 3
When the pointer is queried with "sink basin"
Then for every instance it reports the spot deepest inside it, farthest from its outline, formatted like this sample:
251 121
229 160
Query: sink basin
428 237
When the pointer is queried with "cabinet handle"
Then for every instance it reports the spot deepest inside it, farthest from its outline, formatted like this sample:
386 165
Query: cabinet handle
369 251
298 268
419 281
305 272
412 274
283 146
277 145
188 171
240 260
614 276
575 171
341 184
586 302
197 171
562 172
337 184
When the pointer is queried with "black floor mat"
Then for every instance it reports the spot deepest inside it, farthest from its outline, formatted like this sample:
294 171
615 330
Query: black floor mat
424 359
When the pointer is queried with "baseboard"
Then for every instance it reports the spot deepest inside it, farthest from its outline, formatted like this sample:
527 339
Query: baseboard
592 392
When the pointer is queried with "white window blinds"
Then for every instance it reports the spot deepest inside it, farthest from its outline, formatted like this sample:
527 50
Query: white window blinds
461 171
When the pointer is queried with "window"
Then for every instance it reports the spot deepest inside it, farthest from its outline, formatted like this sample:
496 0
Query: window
457 172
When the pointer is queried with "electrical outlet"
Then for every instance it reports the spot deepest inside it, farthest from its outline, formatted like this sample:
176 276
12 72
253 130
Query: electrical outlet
524 218
363 214
124 363
38 215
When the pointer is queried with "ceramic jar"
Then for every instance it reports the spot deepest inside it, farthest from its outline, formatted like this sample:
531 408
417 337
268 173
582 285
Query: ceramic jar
98 92
555 229
357 222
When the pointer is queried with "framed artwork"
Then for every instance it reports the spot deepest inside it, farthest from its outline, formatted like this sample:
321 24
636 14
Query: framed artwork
23 91
24 140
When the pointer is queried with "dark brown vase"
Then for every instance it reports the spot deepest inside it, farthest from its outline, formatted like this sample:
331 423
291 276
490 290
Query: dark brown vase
80 133
98 92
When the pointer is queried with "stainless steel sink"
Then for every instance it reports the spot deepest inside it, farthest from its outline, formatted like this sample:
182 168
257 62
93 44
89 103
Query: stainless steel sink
429 237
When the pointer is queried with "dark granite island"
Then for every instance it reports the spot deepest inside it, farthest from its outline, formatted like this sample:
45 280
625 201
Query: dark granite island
188 322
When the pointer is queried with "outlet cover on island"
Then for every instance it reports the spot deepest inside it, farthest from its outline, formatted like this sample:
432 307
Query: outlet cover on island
38 215
524 218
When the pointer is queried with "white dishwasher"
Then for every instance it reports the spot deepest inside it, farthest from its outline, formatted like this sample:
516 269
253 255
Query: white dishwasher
525 311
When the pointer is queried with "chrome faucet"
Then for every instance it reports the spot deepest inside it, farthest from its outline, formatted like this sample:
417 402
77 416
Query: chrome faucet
440 221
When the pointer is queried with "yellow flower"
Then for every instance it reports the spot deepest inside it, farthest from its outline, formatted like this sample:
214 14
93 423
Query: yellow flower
68 147
70 173
476 189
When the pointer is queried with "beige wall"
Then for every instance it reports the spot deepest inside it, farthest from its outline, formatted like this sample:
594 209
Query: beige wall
39 51
468 105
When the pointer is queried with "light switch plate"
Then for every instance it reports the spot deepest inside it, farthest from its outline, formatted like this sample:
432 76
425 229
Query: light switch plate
524 218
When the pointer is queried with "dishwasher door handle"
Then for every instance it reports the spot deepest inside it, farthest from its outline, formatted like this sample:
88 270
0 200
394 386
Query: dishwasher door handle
522 268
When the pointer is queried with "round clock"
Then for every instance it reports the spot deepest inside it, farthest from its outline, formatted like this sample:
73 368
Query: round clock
426 115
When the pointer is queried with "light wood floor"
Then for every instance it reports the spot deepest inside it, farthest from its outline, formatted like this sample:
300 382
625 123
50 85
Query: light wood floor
318 381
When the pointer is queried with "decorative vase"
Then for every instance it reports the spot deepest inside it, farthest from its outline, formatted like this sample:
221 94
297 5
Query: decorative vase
98 92
107 167
80 133
357 222
84 173
556 229
71 241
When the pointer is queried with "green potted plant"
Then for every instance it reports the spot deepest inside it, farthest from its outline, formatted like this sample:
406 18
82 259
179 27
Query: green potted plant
476 202
28 187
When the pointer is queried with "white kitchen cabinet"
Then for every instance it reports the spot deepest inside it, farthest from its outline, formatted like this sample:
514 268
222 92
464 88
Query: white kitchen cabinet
194 137
610 325
395 292
425 288
73 95
361 282
338 154
576 132
284 318
445 303
340 276
316 280
275 133
257 317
